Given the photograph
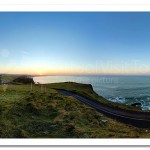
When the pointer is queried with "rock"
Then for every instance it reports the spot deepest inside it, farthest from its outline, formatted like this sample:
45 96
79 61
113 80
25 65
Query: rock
104 121
136 104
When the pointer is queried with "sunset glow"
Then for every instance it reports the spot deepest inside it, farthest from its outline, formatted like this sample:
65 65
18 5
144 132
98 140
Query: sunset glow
76 43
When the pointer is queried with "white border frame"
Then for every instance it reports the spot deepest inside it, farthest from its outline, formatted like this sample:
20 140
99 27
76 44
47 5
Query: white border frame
75 142
74 6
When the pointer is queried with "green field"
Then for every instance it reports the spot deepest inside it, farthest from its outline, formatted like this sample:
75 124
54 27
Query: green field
42 112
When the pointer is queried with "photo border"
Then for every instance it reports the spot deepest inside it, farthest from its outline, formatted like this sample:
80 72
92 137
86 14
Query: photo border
82 6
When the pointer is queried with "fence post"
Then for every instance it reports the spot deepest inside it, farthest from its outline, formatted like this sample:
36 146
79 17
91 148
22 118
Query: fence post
31 86
41 88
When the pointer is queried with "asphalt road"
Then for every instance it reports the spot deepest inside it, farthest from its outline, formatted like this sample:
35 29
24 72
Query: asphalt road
139 119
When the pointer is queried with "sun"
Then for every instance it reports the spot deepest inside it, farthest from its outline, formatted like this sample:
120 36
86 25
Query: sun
40 74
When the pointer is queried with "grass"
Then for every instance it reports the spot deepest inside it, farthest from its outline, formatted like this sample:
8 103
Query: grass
45 113
86 90
8 78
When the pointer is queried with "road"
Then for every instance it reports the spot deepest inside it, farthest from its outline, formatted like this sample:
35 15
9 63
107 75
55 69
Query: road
138 119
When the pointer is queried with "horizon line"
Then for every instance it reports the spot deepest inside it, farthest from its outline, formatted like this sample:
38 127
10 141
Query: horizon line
75 74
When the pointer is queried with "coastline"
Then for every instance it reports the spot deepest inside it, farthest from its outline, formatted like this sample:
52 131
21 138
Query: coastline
46 110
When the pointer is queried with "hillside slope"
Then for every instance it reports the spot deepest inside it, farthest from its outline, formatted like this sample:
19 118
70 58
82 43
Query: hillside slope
42 112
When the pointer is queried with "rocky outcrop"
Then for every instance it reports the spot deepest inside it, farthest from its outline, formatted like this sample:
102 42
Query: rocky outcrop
24 80
136 104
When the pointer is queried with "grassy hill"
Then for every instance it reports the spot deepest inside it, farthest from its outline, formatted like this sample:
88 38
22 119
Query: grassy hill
44 113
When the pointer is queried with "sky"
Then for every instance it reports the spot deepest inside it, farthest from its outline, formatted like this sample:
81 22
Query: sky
75 43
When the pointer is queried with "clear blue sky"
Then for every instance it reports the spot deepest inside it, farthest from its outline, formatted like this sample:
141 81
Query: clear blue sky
75 43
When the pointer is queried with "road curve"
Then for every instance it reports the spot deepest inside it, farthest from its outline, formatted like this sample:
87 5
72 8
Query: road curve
138 119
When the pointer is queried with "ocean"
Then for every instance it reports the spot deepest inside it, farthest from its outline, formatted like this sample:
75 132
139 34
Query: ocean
120 89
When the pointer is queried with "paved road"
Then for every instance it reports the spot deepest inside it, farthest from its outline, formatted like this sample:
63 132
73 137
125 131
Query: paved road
139 119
